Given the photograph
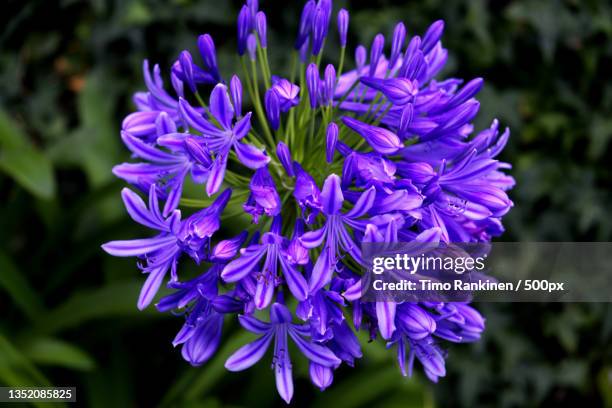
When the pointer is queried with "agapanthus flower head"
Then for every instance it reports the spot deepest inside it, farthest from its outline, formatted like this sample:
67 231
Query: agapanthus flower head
381 152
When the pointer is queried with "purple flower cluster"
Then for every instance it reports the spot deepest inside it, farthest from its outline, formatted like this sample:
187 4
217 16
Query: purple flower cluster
382 153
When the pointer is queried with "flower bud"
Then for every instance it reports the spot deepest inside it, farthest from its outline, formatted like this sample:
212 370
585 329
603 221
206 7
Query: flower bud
261 27
399 36
331 140
343 22
236 92
312 83
272 109
284 156
375 52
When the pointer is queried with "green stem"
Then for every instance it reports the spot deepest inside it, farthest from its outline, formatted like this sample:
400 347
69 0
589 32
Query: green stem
201 101
259 109
262 57
341 65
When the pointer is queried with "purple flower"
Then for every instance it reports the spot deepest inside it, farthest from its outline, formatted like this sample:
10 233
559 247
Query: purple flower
188 72
413 169
277 329
264 198
222 138
334 234
270 250
306 193
160 252
166 171
286 92
201 334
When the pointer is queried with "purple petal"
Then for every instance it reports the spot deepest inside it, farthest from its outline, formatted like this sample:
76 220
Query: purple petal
385 313
431 235
432 36
137 209
196 149
415 321
236 92
221 106
140 123
295 281
321 376
314 352
382 140
204 342
249 354
137 247
241 267
431 358
330 142
243 126
331 195
282 366
253 325
264 292
353 292
227 248
174 196
363 204
217 174
151 286
147 152
349 245
313 239
195 119
279 314
251 156
322 271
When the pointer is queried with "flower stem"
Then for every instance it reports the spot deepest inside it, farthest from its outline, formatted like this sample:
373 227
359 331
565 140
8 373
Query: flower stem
259 109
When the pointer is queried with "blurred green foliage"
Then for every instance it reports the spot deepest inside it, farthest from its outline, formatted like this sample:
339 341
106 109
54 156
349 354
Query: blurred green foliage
67 70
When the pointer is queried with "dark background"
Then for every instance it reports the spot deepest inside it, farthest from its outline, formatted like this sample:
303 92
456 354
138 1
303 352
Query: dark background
68 311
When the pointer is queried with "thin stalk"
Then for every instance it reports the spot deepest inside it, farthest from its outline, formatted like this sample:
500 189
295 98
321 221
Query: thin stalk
259 109
341 64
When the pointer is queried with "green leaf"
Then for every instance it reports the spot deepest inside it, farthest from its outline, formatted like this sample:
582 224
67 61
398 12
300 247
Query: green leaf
16 370
14 282
50 351
23 162
113 300
95 145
